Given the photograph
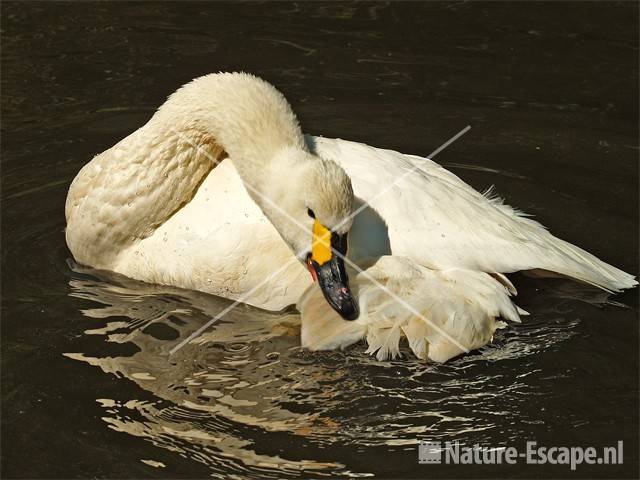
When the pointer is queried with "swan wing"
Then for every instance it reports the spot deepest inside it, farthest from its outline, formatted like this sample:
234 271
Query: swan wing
441 222
442 314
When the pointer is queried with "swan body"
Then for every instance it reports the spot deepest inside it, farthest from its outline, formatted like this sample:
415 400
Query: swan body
426 257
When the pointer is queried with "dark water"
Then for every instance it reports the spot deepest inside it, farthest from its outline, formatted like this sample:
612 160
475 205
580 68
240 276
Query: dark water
88 386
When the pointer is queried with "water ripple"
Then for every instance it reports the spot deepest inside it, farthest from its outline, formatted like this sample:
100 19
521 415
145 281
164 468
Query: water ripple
247 376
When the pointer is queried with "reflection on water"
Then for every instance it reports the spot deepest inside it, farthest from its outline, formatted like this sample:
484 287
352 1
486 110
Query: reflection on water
551 94
247 376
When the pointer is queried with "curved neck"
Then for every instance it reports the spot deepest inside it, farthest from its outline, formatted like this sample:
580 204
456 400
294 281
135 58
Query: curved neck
244 115
151 174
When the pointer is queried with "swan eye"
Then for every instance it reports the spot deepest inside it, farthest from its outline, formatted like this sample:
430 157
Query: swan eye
310 213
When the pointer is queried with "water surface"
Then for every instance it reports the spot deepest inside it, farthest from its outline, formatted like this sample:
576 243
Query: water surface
88 386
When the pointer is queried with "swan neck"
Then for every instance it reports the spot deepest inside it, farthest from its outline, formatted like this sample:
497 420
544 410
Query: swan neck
124 194
244 115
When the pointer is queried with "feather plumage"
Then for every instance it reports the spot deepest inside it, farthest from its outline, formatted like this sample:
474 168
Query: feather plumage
441 313
165 205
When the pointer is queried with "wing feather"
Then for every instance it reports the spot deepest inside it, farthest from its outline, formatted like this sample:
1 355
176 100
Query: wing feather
441 222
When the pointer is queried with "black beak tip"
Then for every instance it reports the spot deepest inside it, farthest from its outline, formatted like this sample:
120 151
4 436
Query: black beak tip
343 303
334 284
349 310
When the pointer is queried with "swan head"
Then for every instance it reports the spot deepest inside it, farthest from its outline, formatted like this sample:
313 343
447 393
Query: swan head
314 201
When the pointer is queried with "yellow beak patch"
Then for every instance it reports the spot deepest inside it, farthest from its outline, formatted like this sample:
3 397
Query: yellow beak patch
321 248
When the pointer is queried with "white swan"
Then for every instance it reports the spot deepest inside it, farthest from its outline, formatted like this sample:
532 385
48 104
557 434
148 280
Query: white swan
426 258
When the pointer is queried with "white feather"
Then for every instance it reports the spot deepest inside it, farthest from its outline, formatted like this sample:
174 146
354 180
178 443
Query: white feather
441 313
441 222
165 205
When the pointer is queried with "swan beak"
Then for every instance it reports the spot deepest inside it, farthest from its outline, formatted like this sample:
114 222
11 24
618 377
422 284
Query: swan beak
327 267
334 284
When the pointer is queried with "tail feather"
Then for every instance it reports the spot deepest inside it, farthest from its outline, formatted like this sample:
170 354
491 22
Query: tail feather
567 259
532 246
529 245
